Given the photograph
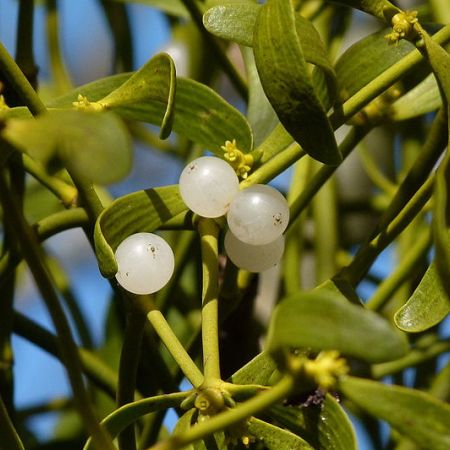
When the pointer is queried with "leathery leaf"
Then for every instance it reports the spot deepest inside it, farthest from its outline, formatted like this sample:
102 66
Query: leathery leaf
154 82
323 423
200 114
323 320
427 306
286 81
141 211
236 22
131 412
414 414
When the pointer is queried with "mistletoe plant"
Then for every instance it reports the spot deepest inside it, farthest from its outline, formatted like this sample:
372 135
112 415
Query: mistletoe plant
183 300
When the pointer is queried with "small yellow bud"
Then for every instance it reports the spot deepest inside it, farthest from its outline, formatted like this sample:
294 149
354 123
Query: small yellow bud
83 104
403 26
241 162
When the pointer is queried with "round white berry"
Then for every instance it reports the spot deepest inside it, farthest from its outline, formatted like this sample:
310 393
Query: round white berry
146 263
254 258
258 215
207 186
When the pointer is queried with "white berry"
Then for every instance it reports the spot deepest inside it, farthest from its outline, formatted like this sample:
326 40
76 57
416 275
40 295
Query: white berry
146 263
254 258
258 215
207 186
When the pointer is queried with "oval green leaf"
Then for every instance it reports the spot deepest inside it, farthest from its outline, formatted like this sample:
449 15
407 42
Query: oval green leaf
286 81
324 320
421 99
325 426
413 413
94 145
441 222
365 60
427 306
128 414
275 438
154 82
142 211
236 21
439 60
257 371
200 114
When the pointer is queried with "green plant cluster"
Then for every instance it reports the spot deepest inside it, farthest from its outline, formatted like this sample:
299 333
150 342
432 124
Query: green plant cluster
325 352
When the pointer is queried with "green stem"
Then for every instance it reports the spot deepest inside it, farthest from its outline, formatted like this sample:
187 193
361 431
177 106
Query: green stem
64 191
401 273
19 82
227 66
369 251
175 348
354 136
209 232
413 358
58 69
294 240
374 172
9 438
230 417
45 228
62 284
132 412
128 367
378 85
182 253
68 349
275 166
95 369
325 231
431 151
24 52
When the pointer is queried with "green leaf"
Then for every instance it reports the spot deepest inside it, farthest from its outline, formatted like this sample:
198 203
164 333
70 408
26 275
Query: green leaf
260 114
128 414
413 413
324 320
286 81
236 21
441 222
95 145
154 82
141 211
325 426
187 421
427 306
257 371
275 438
233 21
201 115
365 60
383 9
440 62
421 99
173 7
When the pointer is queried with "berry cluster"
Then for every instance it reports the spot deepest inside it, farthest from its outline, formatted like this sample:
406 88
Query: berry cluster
256 216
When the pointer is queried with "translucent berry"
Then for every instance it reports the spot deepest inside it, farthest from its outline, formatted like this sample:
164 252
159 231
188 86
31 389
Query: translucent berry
254 258
207 186
146 263
258 215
